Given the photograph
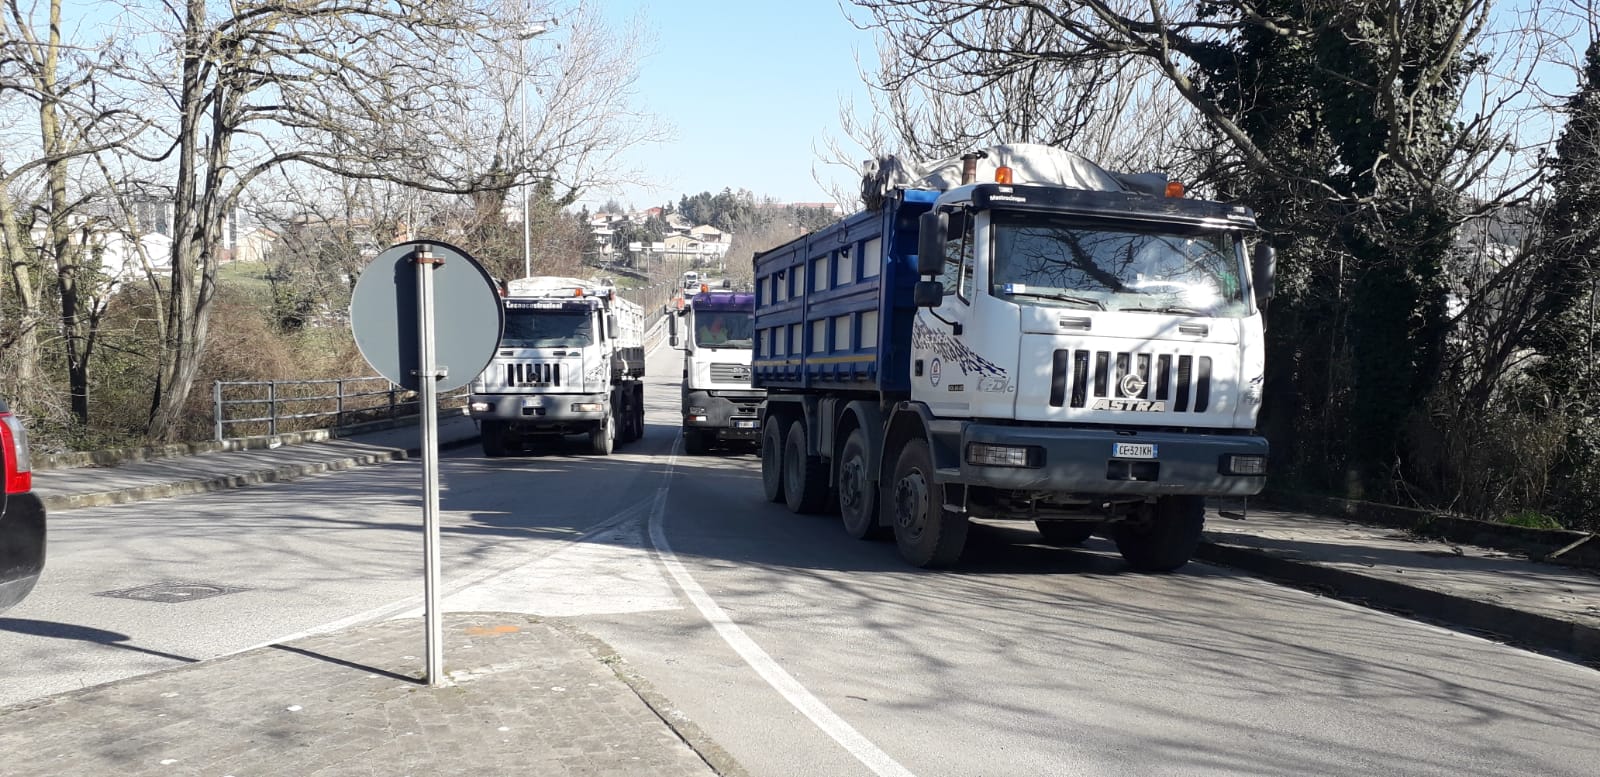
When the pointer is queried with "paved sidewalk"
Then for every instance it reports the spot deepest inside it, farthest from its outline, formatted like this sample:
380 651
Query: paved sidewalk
525 697
1542 606
157 478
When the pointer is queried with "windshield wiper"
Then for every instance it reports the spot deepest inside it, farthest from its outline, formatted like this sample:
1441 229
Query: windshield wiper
1178 309
1073 298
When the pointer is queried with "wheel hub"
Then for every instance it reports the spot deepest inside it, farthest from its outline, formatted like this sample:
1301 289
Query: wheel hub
910 502
850 481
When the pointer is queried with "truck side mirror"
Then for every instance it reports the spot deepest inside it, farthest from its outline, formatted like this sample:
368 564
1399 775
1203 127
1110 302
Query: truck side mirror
611 325
932 231
928 294
1263 269
672 330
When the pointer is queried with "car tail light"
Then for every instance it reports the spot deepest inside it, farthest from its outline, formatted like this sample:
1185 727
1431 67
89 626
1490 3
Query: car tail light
19 471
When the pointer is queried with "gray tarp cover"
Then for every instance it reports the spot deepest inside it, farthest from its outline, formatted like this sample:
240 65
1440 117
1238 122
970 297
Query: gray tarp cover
1030 163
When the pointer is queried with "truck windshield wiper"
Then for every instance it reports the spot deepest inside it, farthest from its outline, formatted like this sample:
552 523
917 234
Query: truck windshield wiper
1072 298
1182 310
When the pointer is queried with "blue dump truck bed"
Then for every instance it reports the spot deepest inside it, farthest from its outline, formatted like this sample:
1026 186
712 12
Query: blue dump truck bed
834 307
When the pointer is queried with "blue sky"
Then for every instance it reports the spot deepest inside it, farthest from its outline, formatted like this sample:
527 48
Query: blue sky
752 88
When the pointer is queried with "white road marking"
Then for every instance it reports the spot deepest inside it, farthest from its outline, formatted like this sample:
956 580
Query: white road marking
781 681
408 606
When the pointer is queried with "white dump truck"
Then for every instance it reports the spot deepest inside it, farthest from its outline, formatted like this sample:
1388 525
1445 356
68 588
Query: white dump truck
570 361
1016 335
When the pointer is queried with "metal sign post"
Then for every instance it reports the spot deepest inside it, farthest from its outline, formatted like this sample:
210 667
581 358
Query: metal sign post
429 399
395 300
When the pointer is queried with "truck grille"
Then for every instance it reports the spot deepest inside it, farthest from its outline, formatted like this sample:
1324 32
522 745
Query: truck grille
525 374
730 373
1183 382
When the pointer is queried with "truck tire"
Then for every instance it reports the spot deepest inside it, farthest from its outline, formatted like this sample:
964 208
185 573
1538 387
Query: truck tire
1167 539
772 460
805 478
1064 533
695 442
493 436
927 534
638 412
858 497
602 438
622 401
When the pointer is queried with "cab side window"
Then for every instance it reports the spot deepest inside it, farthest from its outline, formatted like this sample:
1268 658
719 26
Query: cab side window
958 257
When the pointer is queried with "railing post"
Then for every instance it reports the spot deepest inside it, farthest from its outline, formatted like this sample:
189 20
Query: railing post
216 404
272 407
338 412
392 415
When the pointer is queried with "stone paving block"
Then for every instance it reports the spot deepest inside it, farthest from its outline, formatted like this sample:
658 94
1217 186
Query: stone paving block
331 705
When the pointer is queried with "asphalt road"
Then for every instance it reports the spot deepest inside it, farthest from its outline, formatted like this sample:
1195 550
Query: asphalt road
804 652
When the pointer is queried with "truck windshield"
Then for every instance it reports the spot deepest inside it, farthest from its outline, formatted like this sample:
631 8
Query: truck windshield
1117 266
723 329
547 329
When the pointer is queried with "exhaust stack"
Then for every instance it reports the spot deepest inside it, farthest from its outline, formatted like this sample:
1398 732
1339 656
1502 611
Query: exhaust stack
969 166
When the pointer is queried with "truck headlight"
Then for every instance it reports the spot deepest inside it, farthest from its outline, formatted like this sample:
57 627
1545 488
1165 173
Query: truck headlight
1253 465
988 455
587 407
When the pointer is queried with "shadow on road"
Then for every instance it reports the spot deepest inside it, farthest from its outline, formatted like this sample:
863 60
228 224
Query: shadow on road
78 633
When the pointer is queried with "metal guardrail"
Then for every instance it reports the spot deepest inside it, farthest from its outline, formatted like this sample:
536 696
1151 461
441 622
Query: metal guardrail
298 405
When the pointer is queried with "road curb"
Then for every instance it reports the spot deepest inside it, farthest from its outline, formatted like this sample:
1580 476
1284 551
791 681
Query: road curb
1529 629
697 740
282 474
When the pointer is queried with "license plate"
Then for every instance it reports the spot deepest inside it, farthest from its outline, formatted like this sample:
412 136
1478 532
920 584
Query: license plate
533 402
744 424
1133 450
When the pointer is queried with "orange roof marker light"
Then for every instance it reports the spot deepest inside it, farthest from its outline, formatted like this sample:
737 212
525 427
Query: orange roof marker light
1002 174
1174 188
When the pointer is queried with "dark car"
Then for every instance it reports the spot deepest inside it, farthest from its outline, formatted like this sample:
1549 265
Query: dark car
21 515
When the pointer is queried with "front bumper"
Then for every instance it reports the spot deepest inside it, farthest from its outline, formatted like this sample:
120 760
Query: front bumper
732 416
1081 461
22 547
536 411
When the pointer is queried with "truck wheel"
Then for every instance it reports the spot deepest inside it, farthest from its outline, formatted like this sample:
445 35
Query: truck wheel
1064 533
1165 540
928 535
858 497
805 479
602 438
772 461
638 413
493 436
695 443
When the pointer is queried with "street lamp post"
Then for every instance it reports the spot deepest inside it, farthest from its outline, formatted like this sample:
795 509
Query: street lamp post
528 33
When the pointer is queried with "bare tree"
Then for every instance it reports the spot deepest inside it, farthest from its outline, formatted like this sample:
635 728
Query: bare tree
74 120
412 94
929 107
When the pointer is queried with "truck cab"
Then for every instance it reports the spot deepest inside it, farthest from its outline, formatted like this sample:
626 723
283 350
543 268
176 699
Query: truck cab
714 330
570 361
1122 329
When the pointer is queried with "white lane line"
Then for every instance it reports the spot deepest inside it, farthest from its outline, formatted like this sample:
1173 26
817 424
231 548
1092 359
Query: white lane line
781 681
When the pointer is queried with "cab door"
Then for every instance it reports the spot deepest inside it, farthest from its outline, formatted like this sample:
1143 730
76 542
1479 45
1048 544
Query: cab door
942 374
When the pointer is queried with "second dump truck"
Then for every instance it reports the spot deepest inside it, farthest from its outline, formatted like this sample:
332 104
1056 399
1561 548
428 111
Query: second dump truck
1054 343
